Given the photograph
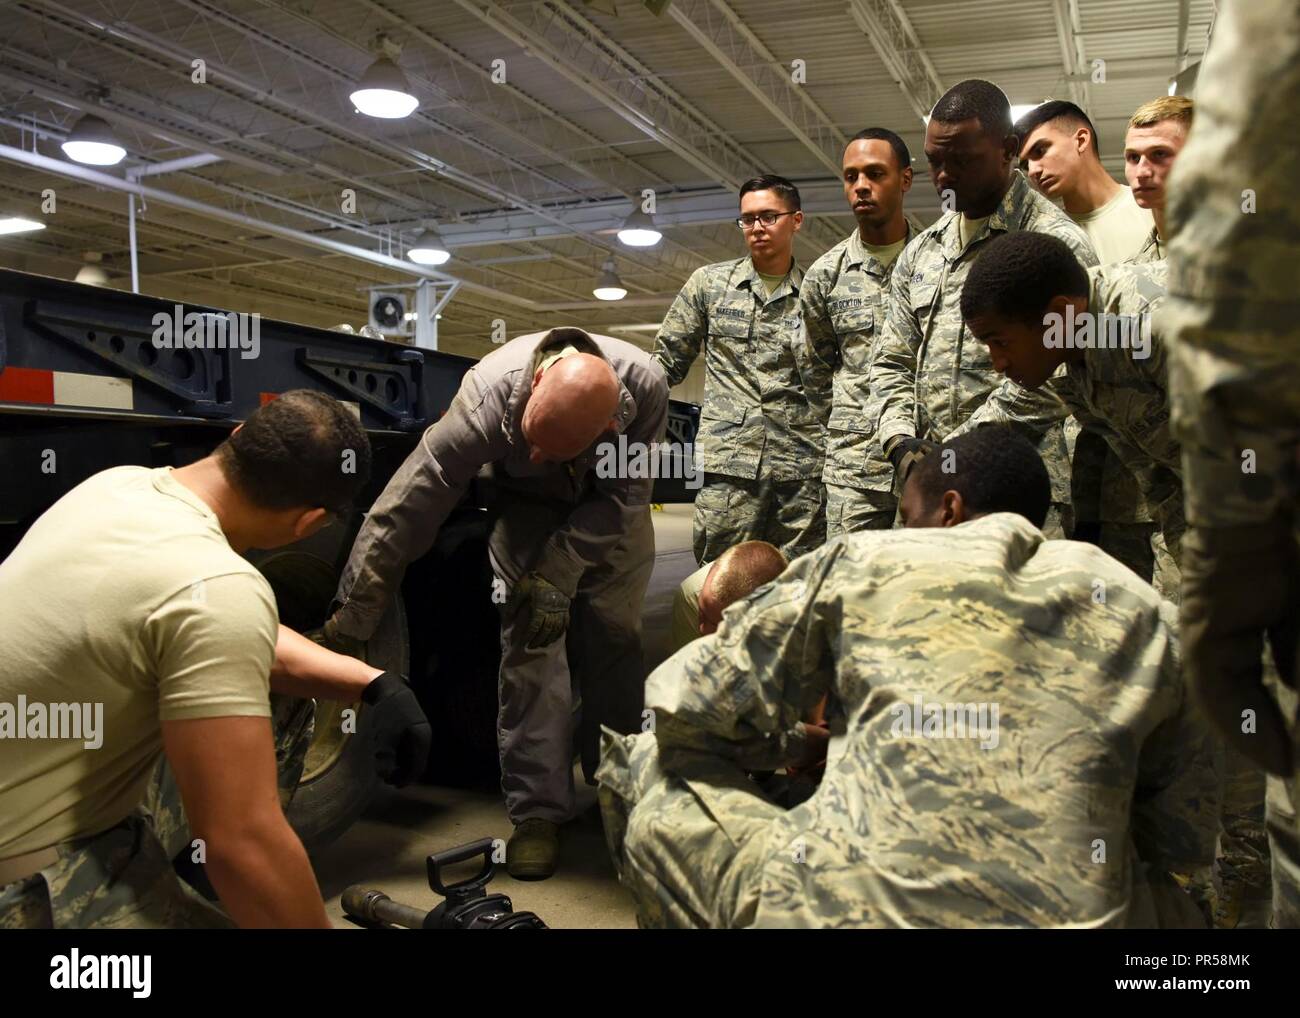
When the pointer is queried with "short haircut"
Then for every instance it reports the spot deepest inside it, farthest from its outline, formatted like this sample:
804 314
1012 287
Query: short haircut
994 469
1067 113
1168 107
978 99
1018 275
901 154
771 182
742 569
293 453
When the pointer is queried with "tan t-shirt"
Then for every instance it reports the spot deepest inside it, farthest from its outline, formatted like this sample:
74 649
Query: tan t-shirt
886 253
123 606
967 228
685 624
770 283
1118 229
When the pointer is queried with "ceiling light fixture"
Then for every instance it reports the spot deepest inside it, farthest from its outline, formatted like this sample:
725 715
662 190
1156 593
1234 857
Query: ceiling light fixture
428 248
609 286
384 92
93 142
18 224
638 230
92 272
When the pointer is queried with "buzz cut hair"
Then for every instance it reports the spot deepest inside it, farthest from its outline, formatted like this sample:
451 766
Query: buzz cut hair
1059 111
901 154
1018 275
742 569
995 469
783 188
302 450
975 99
1177 108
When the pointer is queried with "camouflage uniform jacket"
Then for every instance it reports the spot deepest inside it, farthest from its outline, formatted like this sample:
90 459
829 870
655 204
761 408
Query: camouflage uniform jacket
756 420
1150 251
843 300
1123 397
482 432
1234 297
931 374
1034 816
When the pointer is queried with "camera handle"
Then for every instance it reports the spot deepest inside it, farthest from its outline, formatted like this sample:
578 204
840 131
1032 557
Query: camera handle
464 890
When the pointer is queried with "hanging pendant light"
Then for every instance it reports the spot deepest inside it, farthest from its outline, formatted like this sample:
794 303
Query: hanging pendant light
93 142
428 248
638 230
609 286
384 92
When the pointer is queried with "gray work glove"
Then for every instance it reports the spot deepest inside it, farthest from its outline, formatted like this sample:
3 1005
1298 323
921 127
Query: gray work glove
329 637
905 453
548 606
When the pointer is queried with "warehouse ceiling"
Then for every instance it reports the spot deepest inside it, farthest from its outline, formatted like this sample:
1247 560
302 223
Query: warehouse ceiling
539 125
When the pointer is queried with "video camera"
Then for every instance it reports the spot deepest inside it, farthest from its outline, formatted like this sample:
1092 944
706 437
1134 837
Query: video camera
468 906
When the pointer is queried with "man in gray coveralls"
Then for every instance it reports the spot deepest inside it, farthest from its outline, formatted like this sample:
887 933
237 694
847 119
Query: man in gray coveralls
567 542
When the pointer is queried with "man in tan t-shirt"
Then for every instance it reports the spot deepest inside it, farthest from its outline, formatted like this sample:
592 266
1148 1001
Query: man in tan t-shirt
1060 155
135 628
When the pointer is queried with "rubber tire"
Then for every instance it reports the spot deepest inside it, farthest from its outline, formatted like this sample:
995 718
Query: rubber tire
326 806
456 653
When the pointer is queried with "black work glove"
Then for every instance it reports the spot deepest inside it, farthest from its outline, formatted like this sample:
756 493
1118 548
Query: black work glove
399 731
1240 584
548 607
905 453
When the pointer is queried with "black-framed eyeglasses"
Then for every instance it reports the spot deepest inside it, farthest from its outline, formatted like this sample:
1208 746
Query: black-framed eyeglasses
766 218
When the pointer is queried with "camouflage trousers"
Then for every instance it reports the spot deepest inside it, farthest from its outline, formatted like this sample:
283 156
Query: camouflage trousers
1166 577
729 510
1142 547
1282 796
692 850
1241 864
1243 856
849 510
123 878
689 851
1130 543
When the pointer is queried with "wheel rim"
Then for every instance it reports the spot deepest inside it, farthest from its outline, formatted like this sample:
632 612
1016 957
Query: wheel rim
304 586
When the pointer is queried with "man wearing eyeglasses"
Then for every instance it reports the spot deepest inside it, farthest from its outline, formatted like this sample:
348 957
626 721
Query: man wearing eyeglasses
760 443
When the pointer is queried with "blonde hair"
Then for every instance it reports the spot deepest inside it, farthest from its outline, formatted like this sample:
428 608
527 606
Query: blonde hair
1168 107
741 570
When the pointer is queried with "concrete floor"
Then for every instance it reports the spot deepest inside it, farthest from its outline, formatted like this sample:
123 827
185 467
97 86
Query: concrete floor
386 849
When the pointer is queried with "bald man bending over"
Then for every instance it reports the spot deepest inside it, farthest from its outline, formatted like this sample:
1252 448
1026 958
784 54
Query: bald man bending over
569 544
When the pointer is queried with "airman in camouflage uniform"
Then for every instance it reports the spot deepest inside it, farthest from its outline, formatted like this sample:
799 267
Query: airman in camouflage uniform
1127 524
1117 394
1068 807
843 302
1122 395
1126 527
760 444
1234 315
930 375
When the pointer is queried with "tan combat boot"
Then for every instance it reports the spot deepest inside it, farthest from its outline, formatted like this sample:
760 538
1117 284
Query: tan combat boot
533 850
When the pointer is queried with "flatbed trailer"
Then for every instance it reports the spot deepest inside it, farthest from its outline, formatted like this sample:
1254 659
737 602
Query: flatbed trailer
84 387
